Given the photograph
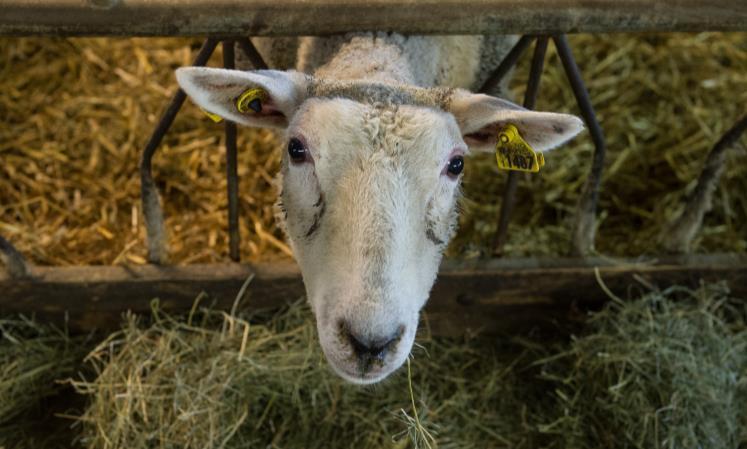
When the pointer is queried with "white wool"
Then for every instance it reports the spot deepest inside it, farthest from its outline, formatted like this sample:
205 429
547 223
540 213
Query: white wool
453 61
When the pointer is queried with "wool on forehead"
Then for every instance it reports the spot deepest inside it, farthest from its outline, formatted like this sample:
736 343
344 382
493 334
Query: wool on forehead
392 129
381 93
386 126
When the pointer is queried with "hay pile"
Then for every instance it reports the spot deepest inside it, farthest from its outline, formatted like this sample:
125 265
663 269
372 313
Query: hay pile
668 370
77 112
218 381
33 357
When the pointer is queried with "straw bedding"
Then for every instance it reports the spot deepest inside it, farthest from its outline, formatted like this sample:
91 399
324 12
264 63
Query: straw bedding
77 112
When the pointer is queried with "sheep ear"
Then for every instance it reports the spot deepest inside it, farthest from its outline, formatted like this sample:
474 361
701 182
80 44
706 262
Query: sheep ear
218 90
481 116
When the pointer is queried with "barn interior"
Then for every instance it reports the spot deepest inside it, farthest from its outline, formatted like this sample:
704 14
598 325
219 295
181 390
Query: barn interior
660 366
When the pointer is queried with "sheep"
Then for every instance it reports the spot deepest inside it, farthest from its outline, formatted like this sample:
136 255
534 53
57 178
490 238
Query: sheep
376 129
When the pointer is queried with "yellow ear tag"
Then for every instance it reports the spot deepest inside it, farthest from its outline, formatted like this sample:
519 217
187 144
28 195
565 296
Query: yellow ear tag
214 117
514 153
251 100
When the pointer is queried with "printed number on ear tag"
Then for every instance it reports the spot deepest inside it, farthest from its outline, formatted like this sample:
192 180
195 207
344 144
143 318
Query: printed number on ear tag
514 153
251 100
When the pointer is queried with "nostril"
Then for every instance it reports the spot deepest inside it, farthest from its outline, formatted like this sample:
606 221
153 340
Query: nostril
375 348
362 350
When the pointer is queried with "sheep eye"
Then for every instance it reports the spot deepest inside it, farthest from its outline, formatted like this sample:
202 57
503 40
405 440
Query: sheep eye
297 151
456 165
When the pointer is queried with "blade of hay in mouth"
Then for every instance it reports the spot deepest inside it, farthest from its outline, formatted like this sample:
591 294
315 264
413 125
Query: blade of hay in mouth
417 433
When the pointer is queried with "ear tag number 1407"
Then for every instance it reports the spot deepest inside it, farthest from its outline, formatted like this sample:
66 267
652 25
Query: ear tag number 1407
512 152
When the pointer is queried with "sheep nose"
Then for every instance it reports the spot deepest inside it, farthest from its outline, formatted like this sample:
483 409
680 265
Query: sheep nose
370 349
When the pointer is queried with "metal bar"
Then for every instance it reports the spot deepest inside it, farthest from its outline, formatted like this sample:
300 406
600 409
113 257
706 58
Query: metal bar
234 238
14 262
507 208
678 237
252 53
584 225
535 72
152 211
530 99
328 17
509 61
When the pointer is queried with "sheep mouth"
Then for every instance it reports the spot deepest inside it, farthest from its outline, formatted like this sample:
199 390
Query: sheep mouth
361 377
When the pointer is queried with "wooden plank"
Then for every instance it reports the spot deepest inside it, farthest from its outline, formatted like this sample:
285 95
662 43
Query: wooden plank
324 17
507 295
97 296
492 296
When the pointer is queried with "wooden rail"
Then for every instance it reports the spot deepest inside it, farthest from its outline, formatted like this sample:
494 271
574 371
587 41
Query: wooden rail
492 296
324 17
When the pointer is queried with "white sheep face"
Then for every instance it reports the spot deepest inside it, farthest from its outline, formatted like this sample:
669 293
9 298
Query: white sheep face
369 195
369 212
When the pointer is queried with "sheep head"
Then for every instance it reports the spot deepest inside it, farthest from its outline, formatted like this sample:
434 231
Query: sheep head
369 189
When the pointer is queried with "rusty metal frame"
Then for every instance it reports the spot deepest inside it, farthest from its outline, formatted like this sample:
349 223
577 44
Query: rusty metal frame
152 210
584 226
509 62
530 98
232 176
678 237
15 264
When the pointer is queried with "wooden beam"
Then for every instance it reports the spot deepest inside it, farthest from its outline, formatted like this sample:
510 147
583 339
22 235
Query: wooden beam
492 296
324 17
